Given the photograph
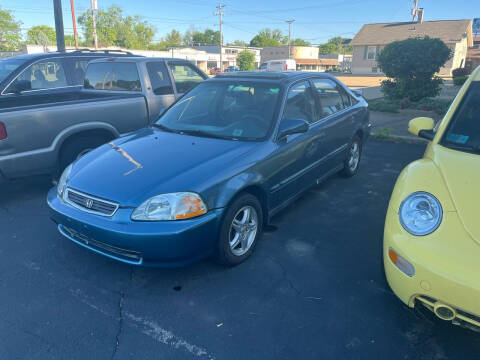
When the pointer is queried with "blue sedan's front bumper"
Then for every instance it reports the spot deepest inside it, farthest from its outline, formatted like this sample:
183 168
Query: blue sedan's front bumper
164 243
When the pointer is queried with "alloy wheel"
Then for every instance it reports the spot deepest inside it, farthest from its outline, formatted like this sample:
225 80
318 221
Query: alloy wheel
243 230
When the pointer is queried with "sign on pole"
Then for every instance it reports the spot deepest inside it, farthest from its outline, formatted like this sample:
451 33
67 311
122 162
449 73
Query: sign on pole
476 27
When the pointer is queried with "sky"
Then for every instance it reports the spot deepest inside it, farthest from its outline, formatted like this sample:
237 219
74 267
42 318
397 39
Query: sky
315 20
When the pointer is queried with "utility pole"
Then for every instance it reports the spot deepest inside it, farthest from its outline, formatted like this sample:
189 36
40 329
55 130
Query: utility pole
74 21
57 10
94 8
289 22
415 10
220 14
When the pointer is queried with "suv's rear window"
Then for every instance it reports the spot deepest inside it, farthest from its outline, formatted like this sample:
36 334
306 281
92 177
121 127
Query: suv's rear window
117 76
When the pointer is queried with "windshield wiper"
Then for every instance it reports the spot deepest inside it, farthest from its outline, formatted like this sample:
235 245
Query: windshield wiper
468 148
206 134
165 128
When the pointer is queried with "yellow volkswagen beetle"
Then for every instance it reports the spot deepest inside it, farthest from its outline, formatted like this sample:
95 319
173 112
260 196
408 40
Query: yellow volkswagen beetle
432 231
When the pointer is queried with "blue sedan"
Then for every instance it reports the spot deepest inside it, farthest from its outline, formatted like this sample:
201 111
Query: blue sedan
212 171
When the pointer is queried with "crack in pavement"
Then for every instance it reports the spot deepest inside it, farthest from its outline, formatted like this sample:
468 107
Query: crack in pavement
120 317
120 324
285 275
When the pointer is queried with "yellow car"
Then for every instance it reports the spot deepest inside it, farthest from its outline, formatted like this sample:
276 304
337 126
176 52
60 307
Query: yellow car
431 244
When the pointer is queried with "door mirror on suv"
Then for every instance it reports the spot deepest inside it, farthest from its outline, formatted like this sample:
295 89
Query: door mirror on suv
19 86
422 127
357 92
292 126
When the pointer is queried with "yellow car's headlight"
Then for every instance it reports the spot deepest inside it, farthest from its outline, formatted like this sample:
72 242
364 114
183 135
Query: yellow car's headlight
173 206
420 213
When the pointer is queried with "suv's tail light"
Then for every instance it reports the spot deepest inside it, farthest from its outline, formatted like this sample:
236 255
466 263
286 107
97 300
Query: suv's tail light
286 67
3 131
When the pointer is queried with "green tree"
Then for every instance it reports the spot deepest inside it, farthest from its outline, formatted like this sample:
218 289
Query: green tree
10 35
173 38
411 65
41 35
299 42
238 43
246 60
336 45
115 29
208 37
267 37
69 40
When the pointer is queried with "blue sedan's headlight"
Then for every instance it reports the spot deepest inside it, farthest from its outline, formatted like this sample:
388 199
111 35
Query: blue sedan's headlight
173 206
420 213
62 182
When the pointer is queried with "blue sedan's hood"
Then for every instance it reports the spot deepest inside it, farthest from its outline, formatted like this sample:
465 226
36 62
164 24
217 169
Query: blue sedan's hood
149 162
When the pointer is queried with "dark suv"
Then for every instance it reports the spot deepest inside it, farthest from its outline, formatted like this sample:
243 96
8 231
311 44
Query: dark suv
48 72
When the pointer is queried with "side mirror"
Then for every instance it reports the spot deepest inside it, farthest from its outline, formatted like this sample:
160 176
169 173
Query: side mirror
422 127
19 86
292 126
357 92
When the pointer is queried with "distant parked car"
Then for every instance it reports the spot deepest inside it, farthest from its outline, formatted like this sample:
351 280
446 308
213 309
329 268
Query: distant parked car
231 69
42 134
48 73
215 71
431 244
279 65
212 171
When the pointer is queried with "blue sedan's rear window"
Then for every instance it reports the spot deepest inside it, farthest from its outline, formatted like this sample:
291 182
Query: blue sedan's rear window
230 109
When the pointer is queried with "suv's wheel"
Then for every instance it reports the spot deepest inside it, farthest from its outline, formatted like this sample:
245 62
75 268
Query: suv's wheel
240 230
352 162
76 148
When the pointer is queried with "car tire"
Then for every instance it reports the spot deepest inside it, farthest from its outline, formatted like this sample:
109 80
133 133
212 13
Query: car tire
352 162
76 148
240 229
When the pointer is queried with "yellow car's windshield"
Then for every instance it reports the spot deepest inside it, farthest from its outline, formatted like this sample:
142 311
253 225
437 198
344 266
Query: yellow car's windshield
463 132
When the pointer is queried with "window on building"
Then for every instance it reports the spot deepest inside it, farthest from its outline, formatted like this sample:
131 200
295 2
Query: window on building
371 52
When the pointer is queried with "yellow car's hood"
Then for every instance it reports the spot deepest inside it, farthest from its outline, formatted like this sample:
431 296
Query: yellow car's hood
461 173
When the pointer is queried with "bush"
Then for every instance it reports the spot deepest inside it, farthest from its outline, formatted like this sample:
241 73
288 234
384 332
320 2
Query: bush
460 72
439 106
246 60
411 65
412 89
383 105
460 80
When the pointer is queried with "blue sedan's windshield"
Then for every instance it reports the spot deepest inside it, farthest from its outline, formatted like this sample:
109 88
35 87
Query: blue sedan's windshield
226 109
8 66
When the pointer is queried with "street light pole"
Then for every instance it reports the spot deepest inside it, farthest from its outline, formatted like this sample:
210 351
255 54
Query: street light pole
57 10
289 22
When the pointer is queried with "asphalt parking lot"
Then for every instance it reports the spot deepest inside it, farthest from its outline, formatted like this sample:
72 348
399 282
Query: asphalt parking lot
313 289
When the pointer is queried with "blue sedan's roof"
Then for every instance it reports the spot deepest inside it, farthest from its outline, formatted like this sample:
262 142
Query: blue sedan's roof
283 76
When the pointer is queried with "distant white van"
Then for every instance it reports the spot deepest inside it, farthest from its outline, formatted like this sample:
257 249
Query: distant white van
279 65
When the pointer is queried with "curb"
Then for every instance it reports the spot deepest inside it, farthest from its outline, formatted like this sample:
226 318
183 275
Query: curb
401 138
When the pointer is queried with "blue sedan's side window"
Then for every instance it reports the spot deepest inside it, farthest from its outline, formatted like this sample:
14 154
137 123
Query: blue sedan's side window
300 103
329 97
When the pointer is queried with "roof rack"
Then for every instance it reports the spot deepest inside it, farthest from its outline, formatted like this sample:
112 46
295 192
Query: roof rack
101 51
